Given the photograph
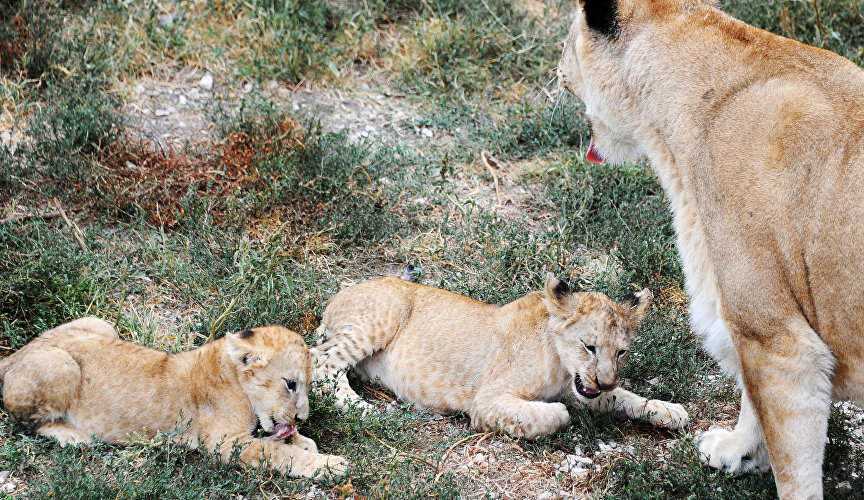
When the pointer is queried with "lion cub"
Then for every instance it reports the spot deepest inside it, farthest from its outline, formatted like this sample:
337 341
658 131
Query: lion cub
82 381
507 366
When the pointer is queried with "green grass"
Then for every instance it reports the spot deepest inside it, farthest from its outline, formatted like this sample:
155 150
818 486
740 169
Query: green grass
293 211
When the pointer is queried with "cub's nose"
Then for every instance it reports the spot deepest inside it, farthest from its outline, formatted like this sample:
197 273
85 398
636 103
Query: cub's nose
606 385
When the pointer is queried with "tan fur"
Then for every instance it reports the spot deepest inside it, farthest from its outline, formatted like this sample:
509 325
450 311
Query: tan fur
507 366
82 381
758 141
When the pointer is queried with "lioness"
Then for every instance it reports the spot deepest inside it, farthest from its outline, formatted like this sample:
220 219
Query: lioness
758 141
507 366
82 381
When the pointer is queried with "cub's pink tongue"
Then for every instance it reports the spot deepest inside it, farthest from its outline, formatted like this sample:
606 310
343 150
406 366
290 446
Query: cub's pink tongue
590 391
282 431
592 155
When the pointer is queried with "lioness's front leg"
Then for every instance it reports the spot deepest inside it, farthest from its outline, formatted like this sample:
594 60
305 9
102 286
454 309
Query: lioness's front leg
660 413
741 450
517 416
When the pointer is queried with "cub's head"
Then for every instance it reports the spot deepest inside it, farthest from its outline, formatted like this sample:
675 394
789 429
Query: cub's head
274 369
592 333
611 47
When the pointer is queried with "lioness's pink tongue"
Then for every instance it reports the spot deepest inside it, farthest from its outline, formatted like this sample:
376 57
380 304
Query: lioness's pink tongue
592 155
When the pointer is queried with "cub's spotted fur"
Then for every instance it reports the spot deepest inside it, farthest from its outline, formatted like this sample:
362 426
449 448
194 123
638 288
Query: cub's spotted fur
81 381
508 366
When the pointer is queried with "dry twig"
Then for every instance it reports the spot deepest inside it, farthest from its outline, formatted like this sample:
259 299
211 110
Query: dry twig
76 231
488 159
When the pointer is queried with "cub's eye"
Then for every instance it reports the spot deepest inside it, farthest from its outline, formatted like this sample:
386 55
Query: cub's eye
590 348
290 384
622 352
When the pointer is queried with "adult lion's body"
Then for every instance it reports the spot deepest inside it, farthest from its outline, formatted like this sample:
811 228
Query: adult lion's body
507 366
758 142
82 381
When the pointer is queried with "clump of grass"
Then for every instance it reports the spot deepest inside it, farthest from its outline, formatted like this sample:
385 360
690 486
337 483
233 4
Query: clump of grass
835 25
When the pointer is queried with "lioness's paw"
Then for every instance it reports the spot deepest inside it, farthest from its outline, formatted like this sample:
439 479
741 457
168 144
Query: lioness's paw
730 452
666 414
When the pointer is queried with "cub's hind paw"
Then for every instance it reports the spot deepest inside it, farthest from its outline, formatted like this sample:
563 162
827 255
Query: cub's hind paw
727 451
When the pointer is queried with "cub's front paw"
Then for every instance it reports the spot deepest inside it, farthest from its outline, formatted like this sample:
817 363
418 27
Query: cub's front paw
731 452
335 465
666 414
304 443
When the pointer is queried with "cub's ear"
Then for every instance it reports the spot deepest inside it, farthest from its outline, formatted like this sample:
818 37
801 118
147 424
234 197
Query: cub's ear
554 292
243 351
601 16
636 306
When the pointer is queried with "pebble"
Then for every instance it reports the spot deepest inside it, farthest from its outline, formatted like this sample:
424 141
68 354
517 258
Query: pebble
194 94
546 495
654 381
182 99
273 84
6 137
162 112
844 487
165 20
247 87
426 132
575 466
206 82
139 89
130 166
4 475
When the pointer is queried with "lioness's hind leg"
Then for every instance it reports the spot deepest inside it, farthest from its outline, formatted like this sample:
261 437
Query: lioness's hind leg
63 433
41 384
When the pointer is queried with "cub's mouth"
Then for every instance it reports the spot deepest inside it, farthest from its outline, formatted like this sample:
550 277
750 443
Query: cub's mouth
274 433
582 390
282 431
593 156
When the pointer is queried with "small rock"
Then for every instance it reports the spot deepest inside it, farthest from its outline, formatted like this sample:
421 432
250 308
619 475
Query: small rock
206 82
479 458
247 87
654 381
182 99
295 107
6 138
273 84
165 20
162 112
420 201
130 166
426 132
844 488
181 124
139 89
4 475
546 495
194 94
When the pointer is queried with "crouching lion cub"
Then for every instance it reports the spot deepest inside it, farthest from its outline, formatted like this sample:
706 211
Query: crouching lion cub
507 366
82 381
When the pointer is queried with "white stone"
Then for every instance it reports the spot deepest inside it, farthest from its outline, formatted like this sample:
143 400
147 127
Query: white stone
247 87
654 381
162 112
194 94
844 487
546 495
182 99
426 132
139 89
206 82
4 475
130 166
273 84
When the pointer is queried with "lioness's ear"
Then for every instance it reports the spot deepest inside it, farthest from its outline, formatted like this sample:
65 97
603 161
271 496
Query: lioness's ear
636 306
601 16
243 352
555 291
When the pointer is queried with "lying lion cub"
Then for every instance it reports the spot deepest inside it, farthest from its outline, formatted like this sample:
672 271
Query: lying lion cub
83 381
506 366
